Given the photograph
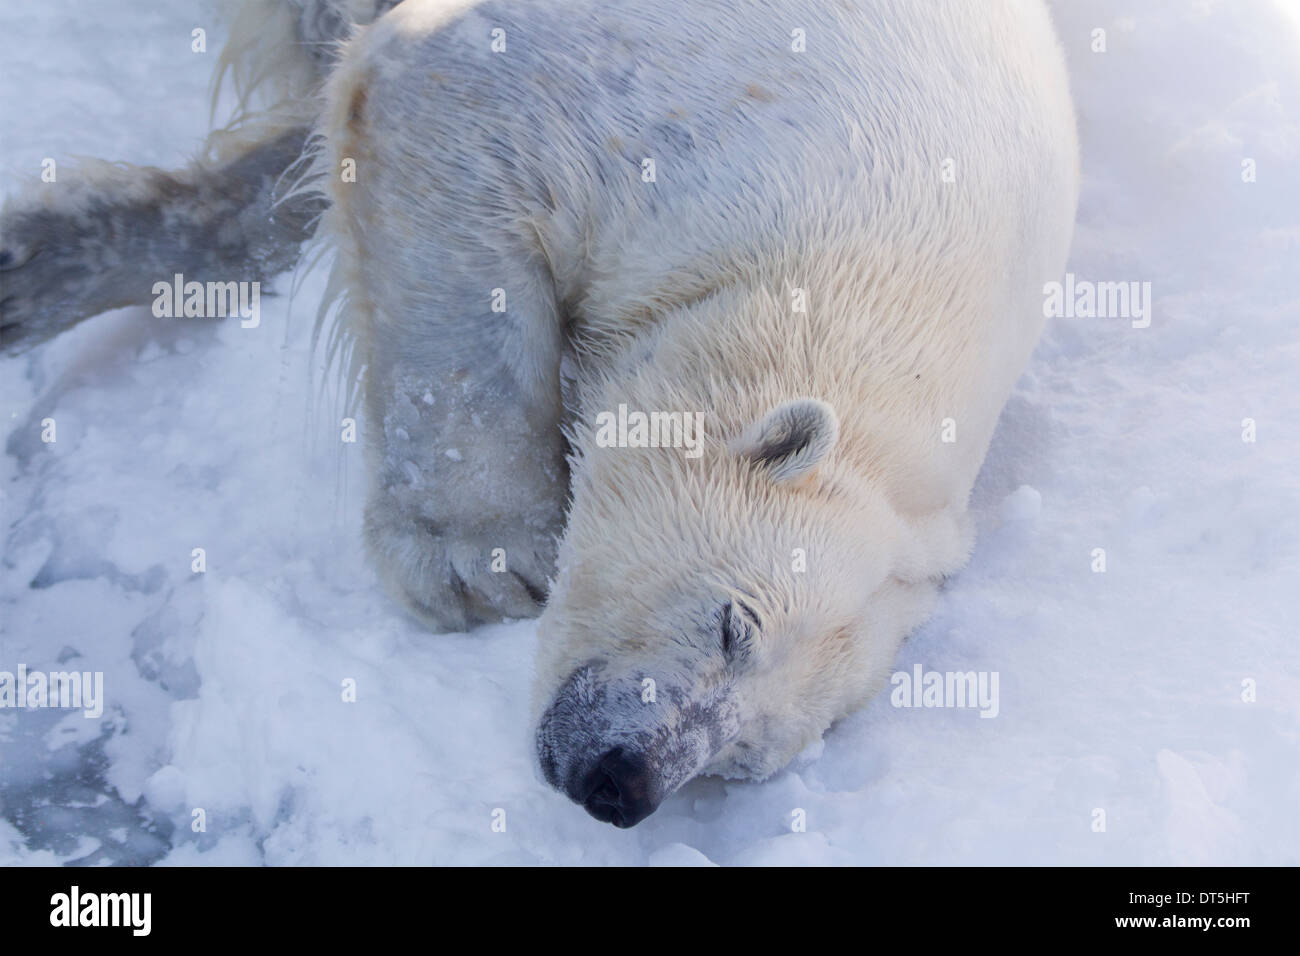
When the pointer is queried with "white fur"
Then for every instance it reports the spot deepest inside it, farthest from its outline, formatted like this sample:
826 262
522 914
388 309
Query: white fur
777 171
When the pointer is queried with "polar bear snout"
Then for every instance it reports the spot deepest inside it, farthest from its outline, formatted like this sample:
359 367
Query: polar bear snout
621 789
619 754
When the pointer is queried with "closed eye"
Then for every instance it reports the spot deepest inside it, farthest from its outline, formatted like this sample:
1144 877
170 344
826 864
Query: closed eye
739 621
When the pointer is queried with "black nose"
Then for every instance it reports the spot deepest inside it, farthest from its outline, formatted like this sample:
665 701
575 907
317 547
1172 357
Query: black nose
619 789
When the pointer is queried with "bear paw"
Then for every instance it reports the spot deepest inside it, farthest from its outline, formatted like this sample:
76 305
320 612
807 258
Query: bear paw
455 579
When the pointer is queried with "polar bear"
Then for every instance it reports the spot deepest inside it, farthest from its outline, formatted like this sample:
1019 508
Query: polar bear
818 230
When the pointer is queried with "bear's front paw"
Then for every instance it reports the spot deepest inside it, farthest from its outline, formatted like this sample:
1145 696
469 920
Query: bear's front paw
454 579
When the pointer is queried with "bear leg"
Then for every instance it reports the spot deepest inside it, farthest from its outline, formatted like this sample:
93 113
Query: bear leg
100 236
453 314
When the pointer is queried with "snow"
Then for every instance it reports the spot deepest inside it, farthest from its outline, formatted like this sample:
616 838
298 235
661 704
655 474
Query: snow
1163 692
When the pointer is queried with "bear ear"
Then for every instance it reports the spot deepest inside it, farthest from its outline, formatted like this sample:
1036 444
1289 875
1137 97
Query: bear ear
791 440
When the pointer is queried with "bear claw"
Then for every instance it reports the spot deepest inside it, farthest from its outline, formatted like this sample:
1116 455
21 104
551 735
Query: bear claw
453 582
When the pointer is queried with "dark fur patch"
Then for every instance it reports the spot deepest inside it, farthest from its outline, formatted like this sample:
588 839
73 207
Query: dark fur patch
794 440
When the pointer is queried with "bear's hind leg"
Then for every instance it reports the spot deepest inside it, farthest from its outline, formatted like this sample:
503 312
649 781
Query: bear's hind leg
102 239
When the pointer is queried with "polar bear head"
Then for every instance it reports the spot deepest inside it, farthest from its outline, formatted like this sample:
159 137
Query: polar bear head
711 614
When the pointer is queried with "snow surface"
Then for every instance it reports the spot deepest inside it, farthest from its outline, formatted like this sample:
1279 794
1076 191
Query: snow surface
1119 690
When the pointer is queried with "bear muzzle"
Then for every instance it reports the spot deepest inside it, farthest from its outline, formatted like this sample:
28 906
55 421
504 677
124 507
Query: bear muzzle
620 757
